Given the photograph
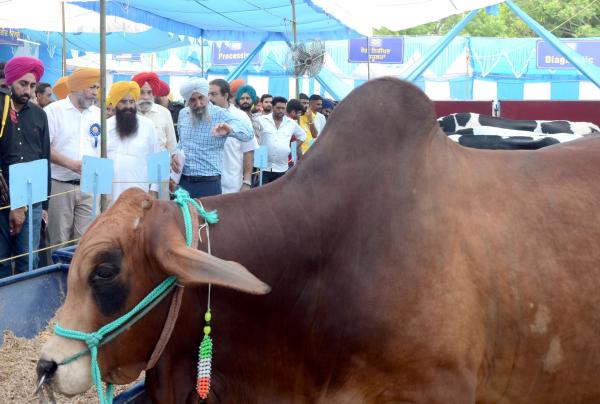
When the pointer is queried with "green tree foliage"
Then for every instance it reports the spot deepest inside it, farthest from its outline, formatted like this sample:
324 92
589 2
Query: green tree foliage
564 18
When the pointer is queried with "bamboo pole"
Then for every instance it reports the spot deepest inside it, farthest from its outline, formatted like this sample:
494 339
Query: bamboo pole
103 198
295 43
64 40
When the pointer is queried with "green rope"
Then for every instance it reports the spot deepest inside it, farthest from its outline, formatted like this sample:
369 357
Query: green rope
94 339
182 198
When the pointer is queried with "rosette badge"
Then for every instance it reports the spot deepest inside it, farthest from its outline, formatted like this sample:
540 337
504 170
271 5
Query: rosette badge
95 134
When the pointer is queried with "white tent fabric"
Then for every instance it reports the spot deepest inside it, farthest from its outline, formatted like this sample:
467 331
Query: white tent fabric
46 15
396 15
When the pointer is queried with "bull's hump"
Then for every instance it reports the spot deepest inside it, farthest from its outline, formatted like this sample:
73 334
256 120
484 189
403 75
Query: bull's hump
384 110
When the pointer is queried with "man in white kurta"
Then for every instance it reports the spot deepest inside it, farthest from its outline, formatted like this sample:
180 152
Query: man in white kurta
131 139
238 156
276 133
74 126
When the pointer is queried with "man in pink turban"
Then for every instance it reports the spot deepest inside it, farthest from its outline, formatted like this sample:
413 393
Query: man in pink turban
162 97
20 66
150 87
147 77
24 137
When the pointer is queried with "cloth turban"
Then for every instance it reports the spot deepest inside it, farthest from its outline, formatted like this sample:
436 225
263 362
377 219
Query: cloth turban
196 85
327 104
235 84
147 77
246 89
163 89
17 67
60 89
121 89
82 78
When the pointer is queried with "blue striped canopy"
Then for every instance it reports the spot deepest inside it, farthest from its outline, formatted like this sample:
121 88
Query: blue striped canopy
237 20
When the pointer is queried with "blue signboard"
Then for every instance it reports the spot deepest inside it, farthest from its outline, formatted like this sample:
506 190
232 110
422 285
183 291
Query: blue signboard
128 57
261 157
28 183
10 36
380 50
550 58
232 53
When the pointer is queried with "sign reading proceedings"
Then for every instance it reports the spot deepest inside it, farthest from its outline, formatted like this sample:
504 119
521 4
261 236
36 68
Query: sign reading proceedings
10 36
128 57
550 58
232 53
380 50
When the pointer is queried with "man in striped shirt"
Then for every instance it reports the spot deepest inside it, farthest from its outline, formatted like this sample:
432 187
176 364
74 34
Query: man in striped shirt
203 129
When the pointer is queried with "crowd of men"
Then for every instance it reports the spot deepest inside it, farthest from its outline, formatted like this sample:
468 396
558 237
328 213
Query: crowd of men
211 141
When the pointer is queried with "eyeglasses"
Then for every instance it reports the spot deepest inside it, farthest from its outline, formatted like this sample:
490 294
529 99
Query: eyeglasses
131 102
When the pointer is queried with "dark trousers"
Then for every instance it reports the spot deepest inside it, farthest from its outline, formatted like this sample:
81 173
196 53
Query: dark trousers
199 187
270 176
19 243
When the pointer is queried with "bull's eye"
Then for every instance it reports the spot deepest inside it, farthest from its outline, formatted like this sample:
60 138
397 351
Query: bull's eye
103 273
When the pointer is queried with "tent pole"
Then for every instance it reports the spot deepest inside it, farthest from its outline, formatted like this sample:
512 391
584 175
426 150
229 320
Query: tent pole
64 40
103 198
237 72
588 69
368 58
295 43
202 52
415 71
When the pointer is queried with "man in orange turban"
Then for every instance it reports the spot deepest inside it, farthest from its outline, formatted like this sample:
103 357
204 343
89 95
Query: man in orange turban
234 86
60 88
74 124
82 78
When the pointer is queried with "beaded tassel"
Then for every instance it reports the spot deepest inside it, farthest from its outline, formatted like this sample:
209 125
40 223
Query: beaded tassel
205 360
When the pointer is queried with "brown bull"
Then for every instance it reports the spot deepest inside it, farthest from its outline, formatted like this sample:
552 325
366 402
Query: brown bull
404 269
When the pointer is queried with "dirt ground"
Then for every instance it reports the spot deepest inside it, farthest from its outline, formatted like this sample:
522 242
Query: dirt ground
18 357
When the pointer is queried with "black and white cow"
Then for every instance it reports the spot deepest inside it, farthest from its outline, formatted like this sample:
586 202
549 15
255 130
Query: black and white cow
489 132
454 122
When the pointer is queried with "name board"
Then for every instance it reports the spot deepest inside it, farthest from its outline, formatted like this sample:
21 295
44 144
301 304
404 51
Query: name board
550 58
128 57
10 36
376 50
232 53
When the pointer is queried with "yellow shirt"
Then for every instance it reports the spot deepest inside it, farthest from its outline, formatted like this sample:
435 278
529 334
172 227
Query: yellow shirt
303 122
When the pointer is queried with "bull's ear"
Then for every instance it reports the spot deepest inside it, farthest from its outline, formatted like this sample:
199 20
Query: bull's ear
194 267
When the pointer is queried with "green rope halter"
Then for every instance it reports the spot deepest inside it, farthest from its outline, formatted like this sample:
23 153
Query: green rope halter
94 339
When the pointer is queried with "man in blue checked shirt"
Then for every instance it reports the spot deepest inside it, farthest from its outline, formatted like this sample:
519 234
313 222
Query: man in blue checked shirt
203 128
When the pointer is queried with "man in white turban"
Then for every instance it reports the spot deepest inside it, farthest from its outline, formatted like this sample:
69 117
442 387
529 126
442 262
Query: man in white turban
203 129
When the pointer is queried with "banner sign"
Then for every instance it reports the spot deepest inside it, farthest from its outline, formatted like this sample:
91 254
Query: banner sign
232 53
128 57
380 50
9 36
550 58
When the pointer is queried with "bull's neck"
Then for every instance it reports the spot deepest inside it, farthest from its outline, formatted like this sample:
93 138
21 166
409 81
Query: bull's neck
274 224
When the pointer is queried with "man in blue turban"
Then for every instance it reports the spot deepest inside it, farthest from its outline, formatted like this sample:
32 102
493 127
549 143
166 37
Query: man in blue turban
327 107
245 98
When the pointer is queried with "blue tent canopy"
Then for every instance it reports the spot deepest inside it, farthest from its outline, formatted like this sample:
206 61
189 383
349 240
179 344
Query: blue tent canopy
116 42
237 20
